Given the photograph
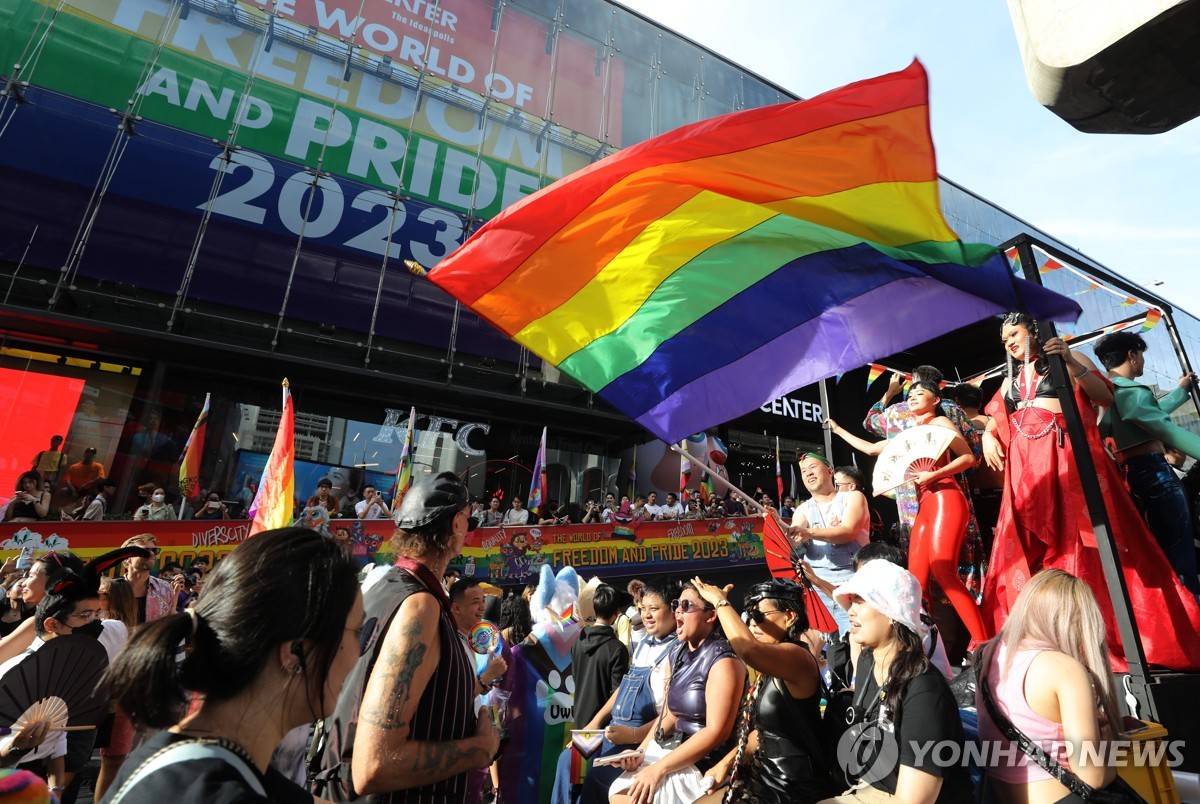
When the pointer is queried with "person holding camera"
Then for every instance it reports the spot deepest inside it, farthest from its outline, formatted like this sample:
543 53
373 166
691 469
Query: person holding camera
372 506
213 508
593 514
31 502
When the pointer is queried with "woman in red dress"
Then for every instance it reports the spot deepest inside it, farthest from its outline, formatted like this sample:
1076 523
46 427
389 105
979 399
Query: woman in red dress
1044 521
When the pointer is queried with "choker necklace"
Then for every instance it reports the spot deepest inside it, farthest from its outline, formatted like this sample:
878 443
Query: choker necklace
199 735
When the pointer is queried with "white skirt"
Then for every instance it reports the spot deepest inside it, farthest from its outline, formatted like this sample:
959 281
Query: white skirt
681 787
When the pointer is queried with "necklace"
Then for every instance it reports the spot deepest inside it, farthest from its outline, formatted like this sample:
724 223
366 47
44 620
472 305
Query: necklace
203 736
1021 385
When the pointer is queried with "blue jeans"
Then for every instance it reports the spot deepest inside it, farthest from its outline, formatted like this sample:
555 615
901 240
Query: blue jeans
1159 495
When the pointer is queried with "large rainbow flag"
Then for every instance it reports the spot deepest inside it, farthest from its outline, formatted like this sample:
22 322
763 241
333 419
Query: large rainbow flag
691 278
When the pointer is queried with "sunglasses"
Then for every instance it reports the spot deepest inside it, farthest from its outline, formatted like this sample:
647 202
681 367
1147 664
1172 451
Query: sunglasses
684 606
757 616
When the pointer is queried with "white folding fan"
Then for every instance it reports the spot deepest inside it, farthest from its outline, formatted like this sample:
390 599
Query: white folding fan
915 450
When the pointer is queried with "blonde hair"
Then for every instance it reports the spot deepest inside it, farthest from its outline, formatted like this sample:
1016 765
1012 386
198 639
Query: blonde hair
139 540
1058 610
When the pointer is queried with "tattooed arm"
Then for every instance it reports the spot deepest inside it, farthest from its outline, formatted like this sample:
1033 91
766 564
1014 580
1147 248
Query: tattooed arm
386 758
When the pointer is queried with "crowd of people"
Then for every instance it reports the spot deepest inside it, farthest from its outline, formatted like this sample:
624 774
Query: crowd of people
696 696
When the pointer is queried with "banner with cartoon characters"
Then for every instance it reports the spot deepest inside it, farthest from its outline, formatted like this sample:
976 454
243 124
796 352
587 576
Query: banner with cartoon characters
503 555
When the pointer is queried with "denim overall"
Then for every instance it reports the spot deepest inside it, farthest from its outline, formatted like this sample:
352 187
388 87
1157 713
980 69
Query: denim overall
634 707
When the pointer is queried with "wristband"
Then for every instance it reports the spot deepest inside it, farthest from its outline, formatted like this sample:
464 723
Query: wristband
721 604
1082 373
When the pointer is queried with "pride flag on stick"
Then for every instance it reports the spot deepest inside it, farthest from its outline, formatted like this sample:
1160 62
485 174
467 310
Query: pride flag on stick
272 506
193 451
403 479
537 490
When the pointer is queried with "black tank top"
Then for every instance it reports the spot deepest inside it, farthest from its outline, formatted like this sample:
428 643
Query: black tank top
1043 389
19 509
789 731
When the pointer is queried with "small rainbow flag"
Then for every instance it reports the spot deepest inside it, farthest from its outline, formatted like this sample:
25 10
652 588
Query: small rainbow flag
706 487
272 506
1092 286
403 481
679 278
875 372
1014 257
537 489
1129 301
1153 316
193 451
1049 265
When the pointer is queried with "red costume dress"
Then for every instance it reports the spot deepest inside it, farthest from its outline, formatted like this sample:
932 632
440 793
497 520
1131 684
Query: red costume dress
1044 523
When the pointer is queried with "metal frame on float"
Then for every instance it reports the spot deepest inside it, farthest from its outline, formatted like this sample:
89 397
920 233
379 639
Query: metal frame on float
1140 683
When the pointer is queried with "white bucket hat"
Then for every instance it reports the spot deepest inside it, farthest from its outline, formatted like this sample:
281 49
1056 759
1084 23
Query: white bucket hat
891 590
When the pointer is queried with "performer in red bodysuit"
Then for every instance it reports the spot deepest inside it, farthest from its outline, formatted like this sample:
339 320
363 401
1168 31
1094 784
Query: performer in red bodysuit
942 513
1043 517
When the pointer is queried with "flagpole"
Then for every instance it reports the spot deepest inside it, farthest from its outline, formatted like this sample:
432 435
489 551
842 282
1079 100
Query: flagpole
824 389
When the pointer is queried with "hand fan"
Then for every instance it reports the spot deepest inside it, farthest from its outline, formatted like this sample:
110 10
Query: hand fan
778 549
917 449
68 668
781 565
818 613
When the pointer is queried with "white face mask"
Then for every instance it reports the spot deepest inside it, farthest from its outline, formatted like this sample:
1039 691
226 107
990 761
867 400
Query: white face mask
159 497
214 504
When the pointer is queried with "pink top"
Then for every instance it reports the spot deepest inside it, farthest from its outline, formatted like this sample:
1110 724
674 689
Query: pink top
1008 690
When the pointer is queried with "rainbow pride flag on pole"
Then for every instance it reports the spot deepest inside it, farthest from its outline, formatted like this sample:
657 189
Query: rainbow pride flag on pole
537 489
403 479
273 504
691 278
193 451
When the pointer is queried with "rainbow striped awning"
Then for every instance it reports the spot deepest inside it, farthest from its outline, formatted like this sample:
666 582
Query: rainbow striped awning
691 278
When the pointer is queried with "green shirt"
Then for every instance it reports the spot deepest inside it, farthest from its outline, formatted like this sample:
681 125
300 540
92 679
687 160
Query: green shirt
1137 417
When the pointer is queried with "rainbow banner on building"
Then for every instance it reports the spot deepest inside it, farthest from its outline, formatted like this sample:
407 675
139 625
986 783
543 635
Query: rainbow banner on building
273 504
691 278
189 462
